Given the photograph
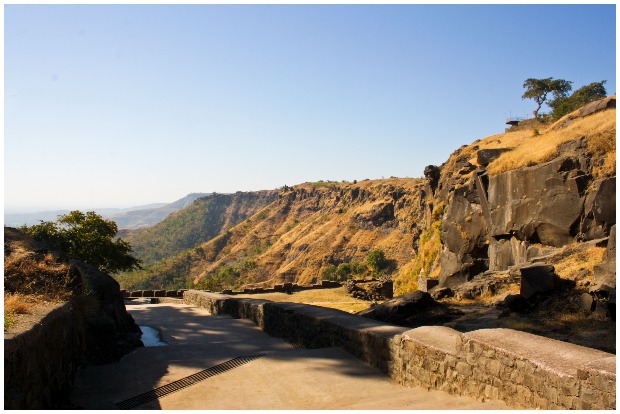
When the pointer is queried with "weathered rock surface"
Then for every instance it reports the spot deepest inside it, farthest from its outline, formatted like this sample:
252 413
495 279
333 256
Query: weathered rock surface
463 235
537 278
411 309
370 290
487 283
609 102
599 209
432 174
425 284
540 203
485 156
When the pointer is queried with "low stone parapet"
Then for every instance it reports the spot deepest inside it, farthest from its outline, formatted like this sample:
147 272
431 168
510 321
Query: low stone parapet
524 370
40 363
153 294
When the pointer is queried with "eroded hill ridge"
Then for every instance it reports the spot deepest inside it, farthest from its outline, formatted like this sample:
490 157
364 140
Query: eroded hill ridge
500 202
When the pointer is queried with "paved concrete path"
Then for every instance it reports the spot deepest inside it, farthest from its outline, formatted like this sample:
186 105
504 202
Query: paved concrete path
283 378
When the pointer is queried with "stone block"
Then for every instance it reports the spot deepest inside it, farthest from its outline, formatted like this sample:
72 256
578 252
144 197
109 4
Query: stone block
517 376
147 293
425 284
136 294
159 293
540 403
494 367
537 278
438 338
586 302
507 361
589 395
464 369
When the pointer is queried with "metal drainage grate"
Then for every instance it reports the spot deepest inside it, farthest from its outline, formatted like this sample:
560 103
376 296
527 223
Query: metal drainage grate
185 382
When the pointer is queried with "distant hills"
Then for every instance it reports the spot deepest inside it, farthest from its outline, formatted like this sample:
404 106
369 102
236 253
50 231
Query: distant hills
145 217
125 218
202 220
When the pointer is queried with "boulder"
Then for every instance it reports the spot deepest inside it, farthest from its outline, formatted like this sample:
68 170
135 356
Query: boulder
516 303
485 156
453 269
536 279
370 290
439 292
487 283
432 174
586 302
400 308
592 107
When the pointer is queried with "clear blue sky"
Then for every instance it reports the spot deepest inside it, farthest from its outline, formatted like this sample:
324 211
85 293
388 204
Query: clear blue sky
119 105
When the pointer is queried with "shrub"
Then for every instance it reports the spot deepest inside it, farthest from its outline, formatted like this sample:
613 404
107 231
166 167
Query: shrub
376 260
89 237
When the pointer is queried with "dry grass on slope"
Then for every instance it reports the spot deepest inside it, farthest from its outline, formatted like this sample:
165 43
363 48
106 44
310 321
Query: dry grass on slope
532 147
336 298
305 232
32 280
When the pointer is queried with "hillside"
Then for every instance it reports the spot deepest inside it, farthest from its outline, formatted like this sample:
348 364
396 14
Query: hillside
502 201
306 230
199 221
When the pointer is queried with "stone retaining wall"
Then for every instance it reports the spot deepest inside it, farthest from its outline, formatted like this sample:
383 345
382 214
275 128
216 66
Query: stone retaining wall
284 287
40 363
152 293
524 370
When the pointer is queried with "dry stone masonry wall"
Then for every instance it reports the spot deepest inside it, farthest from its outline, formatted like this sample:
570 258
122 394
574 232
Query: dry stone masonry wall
524 370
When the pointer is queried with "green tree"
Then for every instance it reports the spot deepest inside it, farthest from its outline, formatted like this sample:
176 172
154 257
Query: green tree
329 273
376 260
566 104
539 90
89 237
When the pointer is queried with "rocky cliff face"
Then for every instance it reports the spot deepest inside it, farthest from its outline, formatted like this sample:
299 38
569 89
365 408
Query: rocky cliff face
501 202
493 222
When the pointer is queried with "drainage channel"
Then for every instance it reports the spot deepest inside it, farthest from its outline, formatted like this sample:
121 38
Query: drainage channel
185 382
